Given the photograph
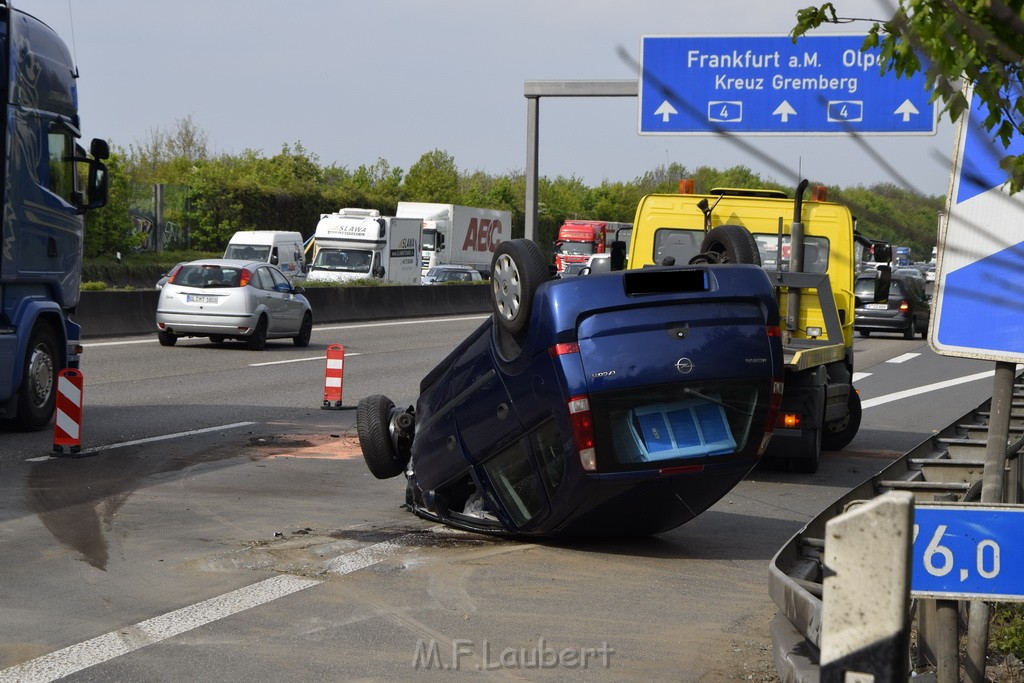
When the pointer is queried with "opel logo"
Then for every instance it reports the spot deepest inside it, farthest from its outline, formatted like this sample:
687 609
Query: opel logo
684 366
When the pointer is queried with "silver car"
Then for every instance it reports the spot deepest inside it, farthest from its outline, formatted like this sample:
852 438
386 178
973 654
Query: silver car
232 299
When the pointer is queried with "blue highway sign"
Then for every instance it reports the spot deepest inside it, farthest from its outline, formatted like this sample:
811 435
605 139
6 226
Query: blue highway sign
979 302
768 85
968 552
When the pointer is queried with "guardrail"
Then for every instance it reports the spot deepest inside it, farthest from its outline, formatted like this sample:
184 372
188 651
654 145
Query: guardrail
118 313
947 466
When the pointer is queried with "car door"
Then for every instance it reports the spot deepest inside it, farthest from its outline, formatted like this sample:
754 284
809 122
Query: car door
290 308
269 299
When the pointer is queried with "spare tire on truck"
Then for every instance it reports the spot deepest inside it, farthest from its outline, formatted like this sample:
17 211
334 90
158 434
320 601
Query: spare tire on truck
730 244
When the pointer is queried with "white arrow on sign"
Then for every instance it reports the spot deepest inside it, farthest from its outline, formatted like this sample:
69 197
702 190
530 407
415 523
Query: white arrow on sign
907 108
664 111
784 110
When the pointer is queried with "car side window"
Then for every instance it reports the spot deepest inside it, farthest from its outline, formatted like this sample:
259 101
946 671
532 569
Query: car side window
264 279
516 482
281 283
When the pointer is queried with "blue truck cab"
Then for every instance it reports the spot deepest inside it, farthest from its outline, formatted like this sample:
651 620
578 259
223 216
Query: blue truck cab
618 404
47 182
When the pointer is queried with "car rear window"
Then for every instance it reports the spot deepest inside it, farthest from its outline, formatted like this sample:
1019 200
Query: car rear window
671 423
208 275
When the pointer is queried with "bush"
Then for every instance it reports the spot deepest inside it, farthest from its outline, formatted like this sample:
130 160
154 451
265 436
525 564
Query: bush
94 286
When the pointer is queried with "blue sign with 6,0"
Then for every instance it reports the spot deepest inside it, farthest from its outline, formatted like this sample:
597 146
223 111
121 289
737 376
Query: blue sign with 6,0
968 552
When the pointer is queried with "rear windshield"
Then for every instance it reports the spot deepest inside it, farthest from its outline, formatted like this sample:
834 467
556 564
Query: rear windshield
865 288
676 423
208 276
682 245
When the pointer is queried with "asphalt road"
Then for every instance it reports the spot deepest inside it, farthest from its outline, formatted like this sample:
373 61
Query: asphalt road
223 527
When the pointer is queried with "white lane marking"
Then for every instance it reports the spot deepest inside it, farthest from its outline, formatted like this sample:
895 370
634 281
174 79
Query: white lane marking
318 328
907 393
298 360
75 658
151 439
904 358
858 376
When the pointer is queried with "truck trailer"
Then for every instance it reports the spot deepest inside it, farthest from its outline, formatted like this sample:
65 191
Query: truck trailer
44 199
458 235
355 244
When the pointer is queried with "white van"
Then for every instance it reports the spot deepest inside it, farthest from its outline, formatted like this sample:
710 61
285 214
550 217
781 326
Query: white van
281 248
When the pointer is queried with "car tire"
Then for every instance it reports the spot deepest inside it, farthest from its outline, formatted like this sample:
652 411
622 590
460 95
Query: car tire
838 433
864 333
305 331
731 244
373 424
166 338
909 332
258 339
37 395
812 457
217 338
924 332
517 269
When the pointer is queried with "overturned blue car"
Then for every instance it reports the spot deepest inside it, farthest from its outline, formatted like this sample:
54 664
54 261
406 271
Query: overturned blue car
619 404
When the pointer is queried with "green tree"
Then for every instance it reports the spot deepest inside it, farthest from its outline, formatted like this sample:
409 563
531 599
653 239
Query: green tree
167 156
434 178
109 229
981 42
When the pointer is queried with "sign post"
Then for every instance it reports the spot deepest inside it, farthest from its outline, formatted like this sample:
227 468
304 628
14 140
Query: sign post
769 85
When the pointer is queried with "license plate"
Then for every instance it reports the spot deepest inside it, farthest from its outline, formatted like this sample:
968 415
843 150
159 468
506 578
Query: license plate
877 307
200 299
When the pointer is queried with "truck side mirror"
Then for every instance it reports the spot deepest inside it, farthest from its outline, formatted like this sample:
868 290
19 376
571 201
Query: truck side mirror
440 242
274 260
378 272
618 255
882 282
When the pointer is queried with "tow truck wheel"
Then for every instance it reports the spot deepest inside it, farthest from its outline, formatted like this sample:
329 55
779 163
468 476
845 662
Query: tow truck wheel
517 269
731 244
838 433
38 393
373 423
808 464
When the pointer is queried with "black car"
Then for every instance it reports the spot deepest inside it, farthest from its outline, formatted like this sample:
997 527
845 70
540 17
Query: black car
906 309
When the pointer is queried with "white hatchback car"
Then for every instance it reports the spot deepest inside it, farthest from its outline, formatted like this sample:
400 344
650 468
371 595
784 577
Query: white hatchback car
232 299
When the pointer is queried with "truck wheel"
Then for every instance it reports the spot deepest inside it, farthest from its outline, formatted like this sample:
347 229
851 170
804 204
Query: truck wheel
517 269
373 423
37 395
731 244
258 339
838 433
811 447
166 338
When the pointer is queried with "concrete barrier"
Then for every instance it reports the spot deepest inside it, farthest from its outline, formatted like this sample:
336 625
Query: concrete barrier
117 313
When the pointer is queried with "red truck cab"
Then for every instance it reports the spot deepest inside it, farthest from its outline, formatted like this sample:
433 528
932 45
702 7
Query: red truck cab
577 240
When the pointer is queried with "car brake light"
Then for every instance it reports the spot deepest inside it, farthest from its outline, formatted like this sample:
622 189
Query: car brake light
904 306
563 349
174 274
244 278
774 331
582 424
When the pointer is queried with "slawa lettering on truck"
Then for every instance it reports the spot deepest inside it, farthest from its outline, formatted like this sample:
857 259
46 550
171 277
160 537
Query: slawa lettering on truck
813 275
458 235
42 224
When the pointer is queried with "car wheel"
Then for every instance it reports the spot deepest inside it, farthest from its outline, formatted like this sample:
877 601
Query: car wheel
865 333
731 244
373 424
37 394
217 338
305 331
811 445
838 433
517 269
258 339
909 332
924 332
166 338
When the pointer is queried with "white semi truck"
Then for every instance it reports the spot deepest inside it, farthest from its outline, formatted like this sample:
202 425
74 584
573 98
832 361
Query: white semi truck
355 244
458 235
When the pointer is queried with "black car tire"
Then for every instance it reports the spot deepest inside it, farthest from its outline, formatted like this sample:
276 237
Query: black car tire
811 442
166 338
373 424
838 433
258 339
305 331
909 332
517 269
865 333
38 392
731 244
217 338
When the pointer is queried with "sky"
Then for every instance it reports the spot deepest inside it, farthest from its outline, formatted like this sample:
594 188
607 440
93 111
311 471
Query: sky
355 82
